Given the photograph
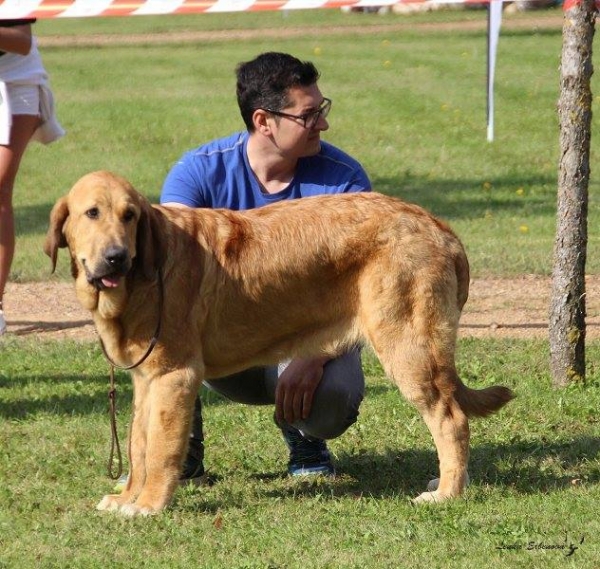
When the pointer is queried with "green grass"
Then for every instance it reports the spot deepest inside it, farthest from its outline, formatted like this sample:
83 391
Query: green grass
535 468
409 104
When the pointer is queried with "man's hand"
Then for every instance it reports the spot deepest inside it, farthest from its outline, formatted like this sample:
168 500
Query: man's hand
296 388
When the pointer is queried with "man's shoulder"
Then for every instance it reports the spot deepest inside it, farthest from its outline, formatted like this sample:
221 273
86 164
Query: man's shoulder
331 153
331 170
219 147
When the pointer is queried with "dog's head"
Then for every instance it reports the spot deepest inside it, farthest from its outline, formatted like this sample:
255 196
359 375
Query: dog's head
108 227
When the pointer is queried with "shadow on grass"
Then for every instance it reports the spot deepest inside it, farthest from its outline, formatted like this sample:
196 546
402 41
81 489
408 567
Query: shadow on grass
516 33
77 403
526 467
68 405
529 467
468 198
51 380
26 327
32 219
392 475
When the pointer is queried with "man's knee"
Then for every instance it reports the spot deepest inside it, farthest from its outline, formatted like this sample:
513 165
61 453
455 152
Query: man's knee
247 387
337 399
330 422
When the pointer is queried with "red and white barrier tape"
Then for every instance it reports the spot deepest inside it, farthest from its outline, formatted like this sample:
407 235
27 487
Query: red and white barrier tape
86 8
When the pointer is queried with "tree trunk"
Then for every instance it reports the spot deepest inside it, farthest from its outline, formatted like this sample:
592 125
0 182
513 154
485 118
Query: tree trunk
567 309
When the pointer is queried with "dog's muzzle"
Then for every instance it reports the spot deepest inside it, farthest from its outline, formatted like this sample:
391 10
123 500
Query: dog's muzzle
115 264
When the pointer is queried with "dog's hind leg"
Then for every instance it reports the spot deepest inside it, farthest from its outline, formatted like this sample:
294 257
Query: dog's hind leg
420 359
449 427
425 374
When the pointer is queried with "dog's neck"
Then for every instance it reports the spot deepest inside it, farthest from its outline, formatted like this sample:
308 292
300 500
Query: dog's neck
106 308
111 333
117 318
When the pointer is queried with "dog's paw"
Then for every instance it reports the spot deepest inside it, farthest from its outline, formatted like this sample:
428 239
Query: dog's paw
115 503
434 484
110 502
434 497
132 511
429 497
433 494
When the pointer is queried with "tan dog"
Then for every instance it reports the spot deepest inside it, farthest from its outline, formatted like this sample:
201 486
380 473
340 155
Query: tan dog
310 276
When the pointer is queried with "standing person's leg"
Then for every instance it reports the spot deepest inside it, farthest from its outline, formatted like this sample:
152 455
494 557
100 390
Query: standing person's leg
23 127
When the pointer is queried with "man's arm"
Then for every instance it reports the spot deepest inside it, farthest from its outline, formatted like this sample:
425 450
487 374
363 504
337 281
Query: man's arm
182 186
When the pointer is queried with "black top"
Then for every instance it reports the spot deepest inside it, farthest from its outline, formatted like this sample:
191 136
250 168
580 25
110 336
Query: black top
11 23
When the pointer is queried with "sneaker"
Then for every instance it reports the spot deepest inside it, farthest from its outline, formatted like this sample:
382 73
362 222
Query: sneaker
193 473
2 323
308 456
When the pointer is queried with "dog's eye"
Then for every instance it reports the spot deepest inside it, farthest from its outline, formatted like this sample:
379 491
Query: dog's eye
129 215
93 213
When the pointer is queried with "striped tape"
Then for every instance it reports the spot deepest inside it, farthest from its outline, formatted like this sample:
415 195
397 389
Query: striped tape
88 8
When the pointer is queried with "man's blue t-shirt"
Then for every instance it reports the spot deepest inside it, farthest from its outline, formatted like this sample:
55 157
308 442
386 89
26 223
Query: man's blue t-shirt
218 175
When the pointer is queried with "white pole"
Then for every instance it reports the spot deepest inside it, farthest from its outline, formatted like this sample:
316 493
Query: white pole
494 21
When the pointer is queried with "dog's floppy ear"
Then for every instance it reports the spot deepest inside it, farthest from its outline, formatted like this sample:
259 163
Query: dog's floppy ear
149 254
55 237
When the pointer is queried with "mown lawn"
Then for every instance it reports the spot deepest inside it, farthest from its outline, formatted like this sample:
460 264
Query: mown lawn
411 106
535 471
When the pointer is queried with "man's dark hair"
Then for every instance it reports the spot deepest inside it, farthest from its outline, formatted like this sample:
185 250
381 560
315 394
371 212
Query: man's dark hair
263 83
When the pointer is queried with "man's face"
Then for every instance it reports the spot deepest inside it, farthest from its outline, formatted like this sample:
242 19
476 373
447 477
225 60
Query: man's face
291 137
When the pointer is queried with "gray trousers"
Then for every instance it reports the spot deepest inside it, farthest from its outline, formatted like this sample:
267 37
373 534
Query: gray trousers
335 404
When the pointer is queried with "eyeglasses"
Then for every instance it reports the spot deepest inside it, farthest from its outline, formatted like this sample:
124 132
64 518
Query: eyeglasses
309 120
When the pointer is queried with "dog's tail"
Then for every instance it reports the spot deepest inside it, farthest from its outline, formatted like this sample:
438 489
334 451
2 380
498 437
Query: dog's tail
482 402
476 402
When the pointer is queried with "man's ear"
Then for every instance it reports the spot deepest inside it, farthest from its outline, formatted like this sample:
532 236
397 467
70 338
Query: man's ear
55 237
261 123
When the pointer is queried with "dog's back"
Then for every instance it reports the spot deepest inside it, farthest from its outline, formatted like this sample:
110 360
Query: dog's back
319 271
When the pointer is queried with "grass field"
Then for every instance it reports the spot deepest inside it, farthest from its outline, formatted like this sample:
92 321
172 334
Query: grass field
535 470
411 106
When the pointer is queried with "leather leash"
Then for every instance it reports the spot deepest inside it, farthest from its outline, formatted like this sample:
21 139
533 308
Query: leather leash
112 394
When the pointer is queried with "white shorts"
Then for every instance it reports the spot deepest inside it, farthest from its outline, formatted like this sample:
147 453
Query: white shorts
24 99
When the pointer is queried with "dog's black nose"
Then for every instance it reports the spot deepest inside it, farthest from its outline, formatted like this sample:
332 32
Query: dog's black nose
116 256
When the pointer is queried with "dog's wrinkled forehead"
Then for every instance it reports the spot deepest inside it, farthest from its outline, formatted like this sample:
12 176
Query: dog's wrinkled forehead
104 192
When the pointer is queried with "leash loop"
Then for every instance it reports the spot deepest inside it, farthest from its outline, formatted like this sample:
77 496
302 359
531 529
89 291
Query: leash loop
115 447
114 442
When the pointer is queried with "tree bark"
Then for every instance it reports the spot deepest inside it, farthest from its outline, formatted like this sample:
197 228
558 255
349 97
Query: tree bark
567 309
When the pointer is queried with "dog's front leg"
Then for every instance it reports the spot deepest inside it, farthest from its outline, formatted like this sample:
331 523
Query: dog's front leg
138 432
170 408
